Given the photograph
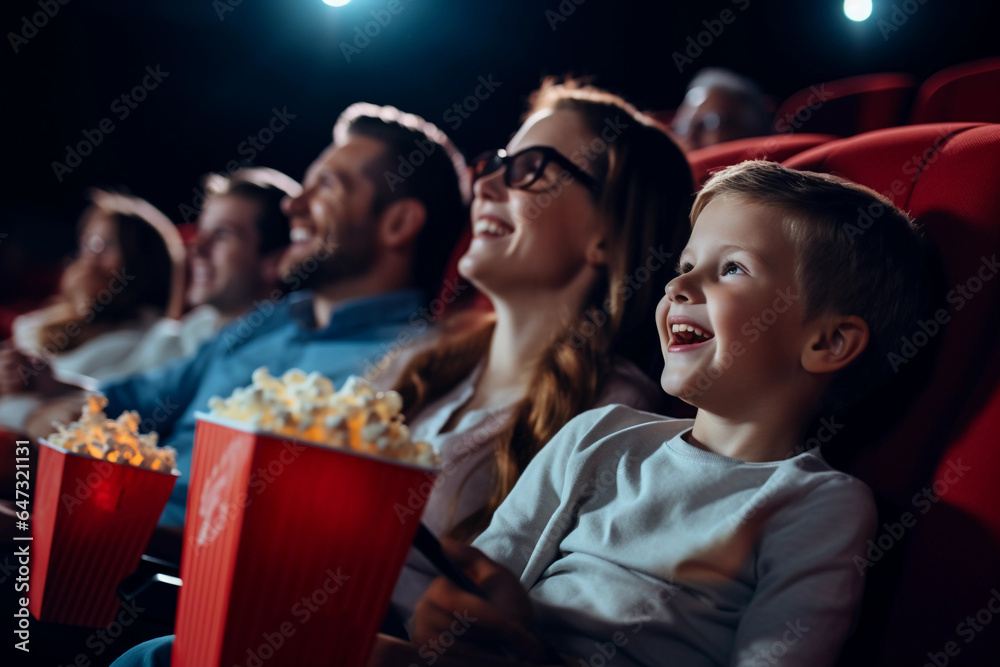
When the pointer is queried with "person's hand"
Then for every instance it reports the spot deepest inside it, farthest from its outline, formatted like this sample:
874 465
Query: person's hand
64 410
19 372
448 620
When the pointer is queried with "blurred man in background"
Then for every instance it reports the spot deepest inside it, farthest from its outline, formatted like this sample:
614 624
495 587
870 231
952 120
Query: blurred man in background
242 235
719 106
233 262
369 245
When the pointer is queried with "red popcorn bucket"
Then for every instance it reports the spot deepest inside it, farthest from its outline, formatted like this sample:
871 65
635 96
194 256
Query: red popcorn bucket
291 549
90 522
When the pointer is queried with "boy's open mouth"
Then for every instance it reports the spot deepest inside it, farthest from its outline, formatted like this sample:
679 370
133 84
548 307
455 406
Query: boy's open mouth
688 334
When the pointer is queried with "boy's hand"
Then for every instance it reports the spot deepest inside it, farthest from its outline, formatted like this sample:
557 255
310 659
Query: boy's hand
448 620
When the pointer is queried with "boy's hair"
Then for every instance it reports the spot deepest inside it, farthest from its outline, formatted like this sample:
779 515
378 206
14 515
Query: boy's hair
857 255
265 186
420 162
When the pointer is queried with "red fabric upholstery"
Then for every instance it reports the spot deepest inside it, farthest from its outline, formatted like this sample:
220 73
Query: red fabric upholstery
848 106
952 565
188 232
664 117
942 568
777 147
967 92
945 175
33 288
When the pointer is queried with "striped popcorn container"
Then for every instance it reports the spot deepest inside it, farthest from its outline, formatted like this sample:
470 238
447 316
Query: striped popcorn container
291 549
91 521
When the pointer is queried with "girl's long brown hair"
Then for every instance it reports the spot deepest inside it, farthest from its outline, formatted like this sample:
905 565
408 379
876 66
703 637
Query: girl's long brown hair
645 198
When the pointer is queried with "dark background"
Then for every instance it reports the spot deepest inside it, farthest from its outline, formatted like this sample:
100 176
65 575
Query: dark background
227 73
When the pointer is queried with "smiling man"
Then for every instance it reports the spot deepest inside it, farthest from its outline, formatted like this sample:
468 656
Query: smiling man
242 235
366 257
232 264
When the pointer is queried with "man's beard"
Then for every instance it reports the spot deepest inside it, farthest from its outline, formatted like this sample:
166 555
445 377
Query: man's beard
352 256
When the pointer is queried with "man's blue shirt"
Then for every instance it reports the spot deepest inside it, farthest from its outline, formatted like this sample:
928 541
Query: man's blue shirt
360 332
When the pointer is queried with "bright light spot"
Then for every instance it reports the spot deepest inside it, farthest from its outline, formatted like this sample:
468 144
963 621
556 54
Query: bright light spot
858 10
341 3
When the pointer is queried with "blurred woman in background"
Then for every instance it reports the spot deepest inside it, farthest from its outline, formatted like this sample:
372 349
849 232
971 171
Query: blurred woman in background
128 274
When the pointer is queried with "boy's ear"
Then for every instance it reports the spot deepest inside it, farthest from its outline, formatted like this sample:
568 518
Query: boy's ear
836 342
401 222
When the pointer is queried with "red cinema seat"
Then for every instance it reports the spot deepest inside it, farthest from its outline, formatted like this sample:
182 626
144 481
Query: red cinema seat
951 572
188 232
664 117
848 106
946 176
31 289
966 92
777 147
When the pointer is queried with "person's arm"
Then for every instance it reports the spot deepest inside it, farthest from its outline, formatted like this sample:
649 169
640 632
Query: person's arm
519 543
525 523
475 629
160 395
810 579
163 393
22 372
64 410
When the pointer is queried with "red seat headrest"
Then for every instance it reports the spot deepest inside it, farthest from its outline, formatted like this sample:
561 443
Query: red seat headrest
848 106
966 92
777 147
946 176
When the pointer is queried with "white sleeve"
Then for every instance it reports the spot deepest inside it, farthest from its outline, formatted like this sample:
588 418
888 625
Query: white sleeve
519 522
810 568
527 524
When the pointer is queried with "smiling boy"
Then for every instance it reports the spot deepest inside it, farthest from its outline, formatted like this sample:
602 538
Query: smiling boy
637 539
739 258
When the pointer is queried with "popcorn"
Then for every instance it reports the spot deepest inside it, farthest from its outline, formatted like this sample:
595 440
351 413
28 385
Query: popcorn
308 407
113 440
